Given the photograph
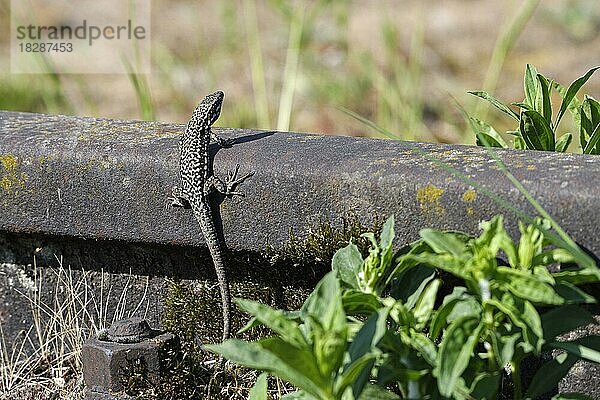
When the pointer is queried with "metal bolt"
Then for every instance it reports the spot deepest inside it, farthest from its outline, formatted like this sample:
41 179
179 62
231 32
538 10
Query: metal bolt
128 344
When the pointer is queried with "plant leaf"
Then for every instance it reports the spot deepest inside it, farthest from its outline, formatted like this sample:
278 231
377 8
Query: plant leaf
409 284
571 92
519 143
587 347
299 367
563 142
530 86
385 243
578 276
455 352
485 386
571 396
590 121
523 315
485 134
455 305
527 286
496 103
445 242
356 302
574 106
298 395
426 348
325 323
446 262
357 374
325 304
275 320
546 110
425 303
572 294
536 132
524 106
347 262
564 319
363 352
259 390
387 233
376 392
592 146
548 376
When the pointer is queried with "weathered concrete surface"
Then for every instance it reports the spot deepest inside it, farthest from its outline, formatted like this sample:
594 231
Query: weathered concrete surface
93 191
106 179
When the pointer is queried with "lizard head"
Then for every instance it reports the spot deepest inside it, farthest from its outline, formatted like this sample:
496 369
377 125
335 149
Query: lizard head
209 109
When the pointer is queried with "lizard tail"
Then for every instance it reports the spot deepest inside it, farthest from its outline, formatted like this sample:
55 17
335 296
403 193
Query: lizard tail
216 249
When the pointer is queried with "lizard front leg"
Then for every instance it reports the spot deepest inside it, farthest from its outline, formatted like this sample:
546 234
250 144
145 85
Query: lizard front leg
227 188
220 141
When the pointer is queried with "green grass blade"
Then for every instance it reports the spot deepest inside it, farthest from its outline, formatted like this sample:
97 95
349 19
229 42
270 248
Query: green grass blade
142 91
257 69
290 74
511 31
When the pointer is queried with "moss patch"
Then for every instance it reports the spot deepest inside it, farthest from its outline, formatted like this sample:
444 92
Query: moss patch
319 245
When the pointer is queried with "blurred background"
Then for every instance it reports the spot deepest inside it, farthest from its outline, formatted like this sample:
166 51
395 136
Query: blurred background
295 65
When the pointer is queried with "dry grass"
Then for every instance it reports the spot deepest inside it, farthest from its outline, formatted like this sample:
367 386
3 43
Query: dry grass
45 361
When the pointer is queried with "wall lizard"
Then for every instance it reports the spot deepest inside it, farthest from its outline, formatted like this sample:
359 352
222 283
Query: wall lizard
197 182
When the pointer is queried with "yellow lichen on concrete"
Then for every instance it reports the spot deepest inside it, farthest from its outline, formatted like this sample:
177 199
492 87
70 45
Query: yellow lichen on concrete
429 194
11 180
429 198
469 196
9 162
44 159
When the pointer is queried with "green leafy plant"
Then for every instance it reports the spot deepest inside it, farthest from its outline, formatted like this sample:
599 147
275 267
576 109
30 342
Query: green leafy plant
311 349
497 310
387 319
537 130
